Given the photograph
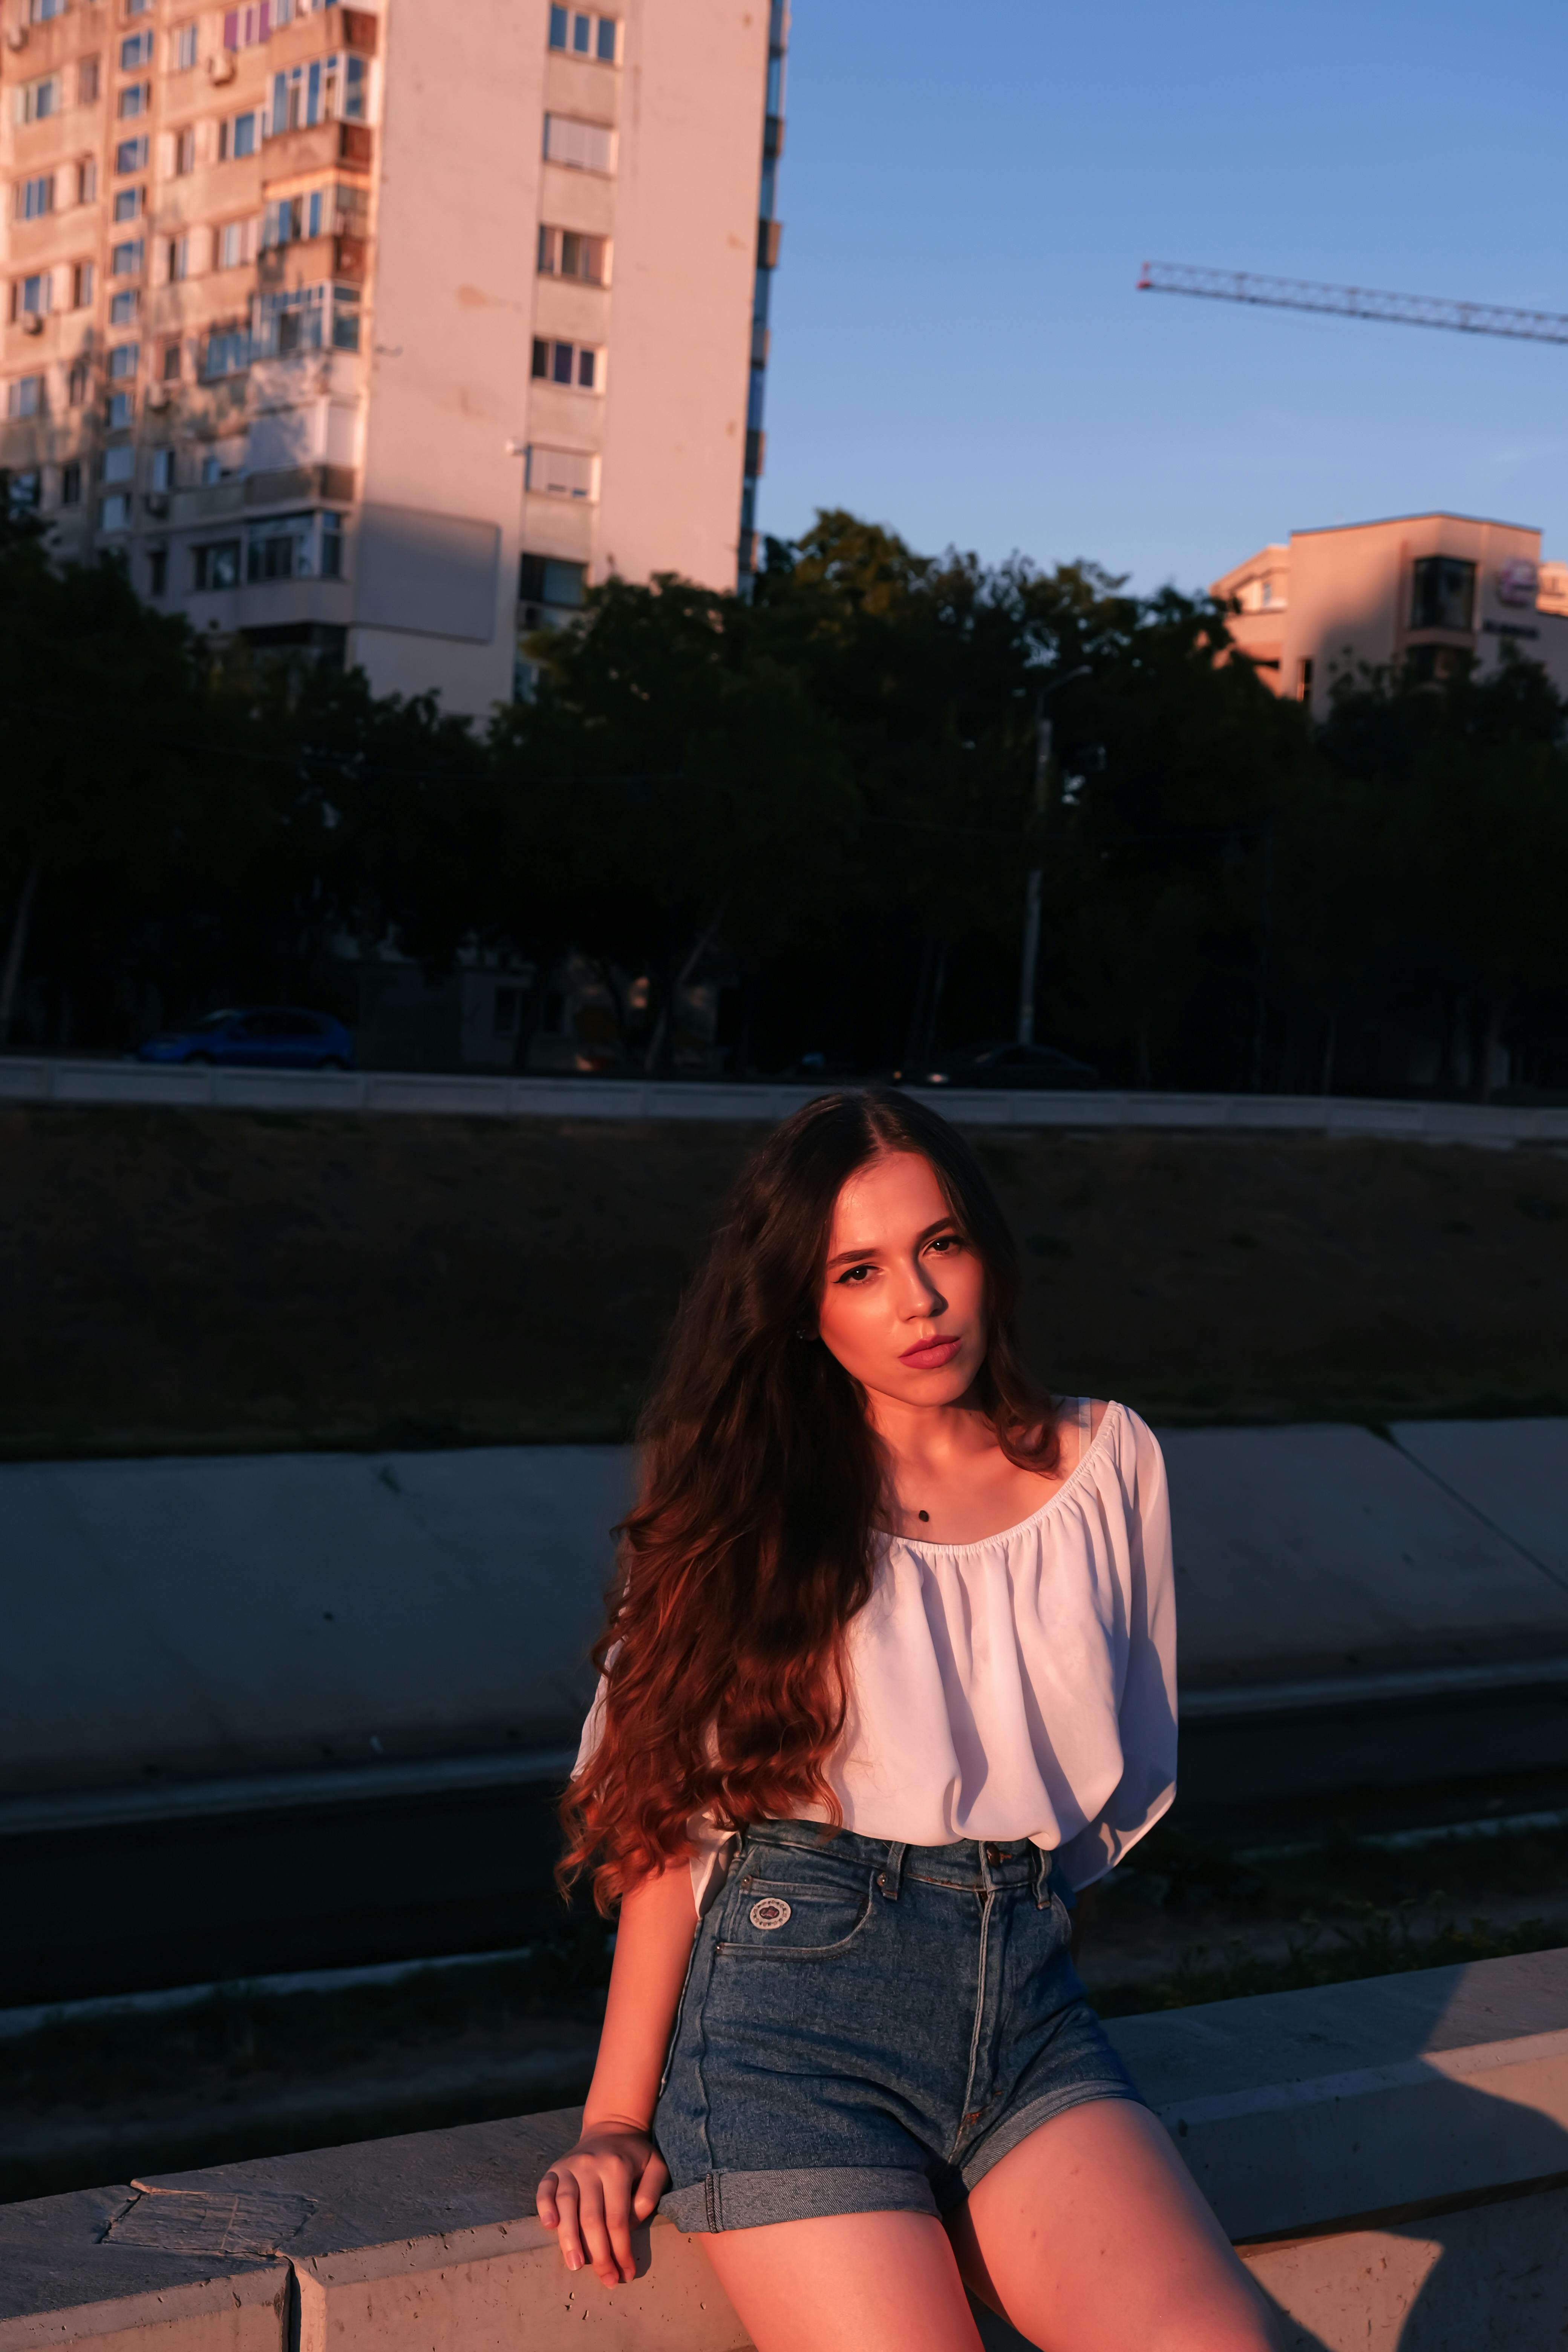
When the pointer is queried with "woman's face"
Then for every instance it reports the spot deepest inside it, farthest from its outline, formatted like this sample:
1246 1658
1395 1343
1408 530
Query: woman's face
904 1295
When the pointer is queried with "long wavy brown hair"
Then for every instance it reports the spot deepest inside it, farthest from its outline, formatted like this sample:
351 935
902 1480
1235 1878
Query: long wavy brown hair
751 1546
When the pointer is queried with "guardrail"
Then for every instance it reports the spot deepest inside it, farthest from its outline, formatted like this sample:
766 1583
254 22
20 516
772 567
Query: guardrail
473 1094
1390 2157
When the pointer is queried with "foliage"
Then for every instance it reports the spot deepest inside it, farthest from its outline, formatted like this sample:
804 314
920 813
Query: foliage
826 798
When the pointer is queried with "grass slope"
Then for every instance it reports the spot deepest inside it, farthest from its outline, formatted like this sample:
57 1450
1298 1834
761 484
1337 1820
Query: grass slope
217 1279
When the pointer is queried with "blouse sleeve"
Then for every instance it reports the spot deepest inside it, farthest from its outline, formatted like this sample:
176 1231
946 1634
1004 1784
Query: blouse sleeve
713 1849
1146 1711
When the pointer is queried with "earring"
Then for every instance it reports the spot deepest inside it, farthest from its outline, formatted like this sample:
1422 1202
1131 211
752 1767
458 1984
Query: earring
802 1333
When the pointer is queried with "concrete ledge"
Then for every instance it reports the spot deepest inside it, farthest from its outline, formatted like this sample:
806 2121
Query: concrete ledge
1392 2154
42 1079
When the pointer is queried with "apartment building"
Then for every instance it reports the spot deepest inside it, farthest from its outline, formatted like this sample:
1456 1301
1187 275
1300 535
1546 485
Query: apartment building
385 331
1417 590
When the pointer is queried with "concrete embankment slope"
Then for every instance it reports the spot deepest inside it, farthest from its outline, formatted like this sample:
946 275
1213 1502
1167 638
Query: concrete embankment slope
304 1709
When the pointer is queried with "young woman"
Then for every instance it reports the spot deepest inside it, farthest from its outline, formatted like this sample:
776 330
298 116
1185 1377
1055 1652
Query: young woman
889 1675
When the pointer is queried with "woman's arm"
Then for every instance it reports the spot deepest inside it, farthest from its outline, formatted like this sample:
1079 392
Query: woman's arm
613 2177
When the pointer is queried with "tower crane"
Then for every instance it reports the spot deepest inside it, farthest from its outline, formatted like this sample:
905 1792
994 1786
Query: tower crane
1352 301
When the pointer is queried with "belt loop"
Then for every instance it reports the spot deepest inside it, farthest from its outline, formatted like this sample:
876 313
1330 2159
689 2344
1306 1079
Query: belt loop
891 1876
1045 1861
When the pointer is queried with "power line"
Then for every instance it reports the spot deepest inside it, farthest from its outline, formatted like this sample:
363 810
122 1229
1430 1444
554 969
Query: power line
1352 301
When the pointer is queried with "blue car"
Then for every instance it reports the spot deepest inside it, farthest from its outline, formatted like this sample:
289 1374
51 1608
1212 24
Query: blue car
257 1037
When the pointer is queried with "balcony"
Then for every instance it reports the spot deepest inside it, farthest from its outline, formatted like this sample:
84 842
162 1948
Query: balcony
293 486
307 261
318 148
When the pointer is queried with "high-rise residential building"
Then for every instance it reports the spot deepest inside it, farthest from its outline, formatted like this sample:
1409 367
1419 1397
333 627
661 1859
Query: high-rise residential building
386 330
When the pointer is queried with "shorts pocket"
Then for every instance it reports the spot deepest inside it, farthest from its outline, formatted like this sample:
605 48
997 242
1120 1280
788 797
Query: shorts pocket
794 1919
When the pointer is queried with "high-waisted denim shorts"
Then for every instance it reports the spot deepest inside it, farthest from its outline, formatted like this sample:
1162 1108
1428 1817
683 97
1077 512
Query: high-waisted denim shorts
869 2027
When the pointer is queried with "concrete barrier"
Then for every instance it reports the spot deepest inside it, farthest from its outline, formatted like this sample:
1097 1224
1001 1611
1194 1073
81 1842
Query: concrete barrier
1391 2156
47 1078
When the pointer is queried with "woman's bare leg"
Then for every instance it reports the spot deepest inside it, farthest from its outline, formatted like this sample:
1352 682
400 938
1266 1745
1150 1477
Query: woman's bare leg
1091 2236
848 2283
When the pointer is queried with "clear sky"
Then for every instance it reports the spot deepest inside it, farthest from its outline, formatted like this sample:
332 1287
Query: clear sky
969 187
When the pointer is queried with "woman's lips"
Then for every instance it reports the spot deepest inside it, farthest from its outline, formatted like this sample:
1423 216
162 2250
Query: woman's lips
929 1355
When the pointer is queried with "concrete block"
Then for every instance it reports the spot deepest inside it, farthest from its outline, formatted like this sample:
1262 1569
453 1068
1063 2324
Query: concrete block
1491 2279
71 2272
1299 2109
1514 1474
1309 1551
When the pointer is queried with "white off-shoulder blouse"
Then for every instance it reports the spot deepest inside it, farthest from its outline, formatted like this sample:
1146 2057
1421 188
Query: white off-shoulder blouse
1023 1687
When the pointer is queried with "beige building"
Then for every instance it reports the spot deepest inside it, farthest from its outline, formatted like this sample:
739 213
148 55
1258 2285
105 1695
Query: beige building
1418 589
387 329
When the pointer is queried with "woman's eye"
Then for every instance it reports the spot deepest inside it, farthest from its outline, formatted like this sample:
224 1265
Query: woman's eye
853 1273
948 1242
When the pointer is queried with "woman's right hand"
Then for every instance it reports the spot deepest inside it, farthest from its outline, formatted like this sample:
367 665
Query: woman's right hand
594 2194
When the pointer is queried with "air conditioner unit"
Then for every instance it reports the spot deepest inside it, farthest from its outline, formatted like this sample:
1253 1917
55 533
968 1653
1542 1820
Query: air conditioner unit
221 67
33 323
157 397
15 37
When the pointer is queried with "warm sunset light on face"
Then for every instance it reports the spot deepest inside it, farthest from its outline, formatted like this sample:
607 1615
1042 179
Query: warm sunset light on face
904 1295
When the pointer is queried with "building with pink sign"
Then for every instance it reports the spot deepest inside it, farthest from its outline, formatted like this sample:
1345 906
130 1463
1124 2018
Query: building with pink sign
1417 589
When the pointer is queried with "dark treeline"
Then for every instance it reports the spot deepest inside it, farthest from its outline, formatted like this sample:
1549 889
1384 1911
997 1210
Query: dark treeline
826 795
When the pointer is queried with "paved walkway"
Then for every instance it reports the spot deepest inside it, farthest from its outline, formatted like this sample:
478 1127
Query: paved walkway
174 1625
470 1094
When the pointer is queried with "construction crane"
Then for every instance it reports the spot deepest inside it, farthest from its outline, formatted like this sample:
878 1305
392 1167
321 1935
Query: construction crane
1352 301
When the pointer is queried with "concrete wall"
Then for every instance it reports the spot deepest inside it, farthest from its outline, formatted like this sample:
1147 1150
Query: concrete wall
1389 2155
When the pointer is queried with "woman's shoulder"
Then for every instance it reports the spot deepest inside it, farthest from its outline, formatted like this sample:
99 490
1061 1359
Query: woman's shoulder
1123 1441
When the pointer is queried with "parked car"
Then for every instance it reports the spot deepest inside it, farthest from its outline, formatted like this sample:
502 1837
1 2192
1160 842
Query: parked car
1007 1065
258 1037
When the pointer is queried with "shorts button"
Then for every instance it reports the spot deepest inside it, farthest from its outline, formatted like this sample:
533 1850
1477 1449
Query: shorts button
993 1855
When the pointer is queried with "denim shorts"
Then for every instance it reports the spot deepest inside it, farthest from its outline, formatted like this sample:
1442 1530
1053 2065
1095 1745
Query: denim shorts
869 2027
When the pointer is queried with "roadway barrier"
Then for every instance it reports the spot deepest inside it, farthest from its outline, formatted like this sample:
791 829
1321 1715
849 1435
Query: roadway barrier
1390 2155
473 1095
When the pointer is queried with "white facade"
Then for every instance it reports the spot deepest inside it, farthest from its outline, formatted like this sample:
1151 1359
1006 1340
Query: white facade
389 330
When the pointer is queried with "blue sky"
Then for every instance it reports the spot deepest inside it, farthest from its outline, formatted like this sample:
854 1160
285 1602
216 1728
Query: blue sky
968 191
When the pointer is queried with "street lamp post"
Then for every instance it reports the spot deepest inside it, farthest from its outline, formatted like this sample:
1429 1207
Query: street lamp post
1034 888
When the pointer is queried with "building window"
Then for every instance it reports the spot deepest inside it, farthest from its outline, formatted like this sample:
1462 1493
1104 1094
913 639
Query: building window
114 511
560 473
122 411
35 101
227 353
183 154
133 101
135 51
123 306
1443 592
170 366
127 203
566 253
120 463
71 484
179 260
184 47
86 181
289 220
25 395
44 12
82 285
131 155
216 565
236 138
122 363
323 91
581 146
1304 680
331 547
34 197
24 492
34 297
138 7
573 363
345 318
86 82
579 35
163 469
547 580
76 385
236 244
157 571
125 260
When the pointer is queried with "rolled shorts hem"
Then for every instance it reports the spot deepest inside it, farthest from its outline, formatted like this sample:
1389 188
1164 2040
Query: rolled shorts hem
1017 2127
752 2200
